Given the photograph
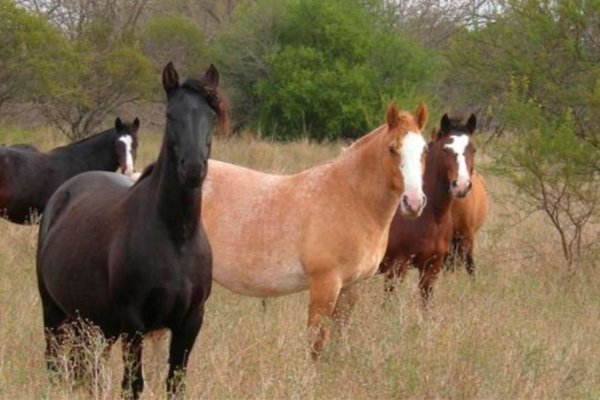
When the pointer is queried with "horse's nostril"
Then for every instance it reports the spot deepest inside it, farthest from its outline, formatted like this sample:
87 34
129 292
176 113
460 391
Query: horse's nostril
454 184
405 201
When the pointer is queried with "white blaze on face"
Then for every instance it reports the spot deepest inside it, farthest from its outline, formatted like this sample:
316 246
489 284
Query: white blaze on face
410 166
458 146
127 140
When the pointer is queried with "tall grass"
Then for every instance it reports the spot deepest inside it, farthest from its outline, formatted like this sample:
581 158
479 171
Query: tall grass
524 328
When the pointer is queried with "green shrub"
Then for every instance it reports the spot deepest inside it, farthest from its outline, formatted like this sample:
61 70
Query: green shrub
321 69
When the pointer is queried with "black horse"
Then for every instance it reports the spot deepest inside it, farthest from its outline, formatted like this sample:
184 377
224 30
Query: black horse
28 177
134 258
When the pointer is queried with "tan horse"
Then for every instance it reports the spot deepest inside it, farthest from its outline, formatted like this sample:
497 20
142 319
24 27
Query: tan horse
468 215
323 229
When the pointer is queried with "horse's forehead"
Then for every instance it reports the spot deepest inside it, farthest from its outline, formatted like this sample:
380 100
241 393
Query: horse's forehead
458 143
126 138
183 100
413 142
408 122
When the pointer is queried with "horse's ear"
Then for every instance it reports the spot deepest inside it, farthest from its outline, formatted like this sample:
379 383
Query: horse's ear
211 77
471 124
170 78
391 115
136 125
421 115
118 124
432 134
445 125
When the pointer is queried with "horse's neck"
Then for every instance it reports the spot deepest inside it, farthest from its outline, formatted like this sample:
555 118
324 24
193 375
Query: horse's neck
176 205
437 190
364 171
95 153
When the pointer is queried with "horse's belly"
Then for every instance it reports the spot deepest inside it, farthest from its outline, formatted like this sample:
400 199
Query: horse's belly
261 280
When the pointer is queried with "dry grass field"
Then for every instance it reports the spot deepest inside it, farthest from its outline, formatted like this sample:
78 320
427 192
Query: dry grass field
526 328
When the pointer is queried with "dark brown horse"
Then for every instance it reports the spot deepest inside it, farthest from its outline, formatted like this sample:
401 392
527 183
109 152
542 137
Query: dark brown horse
28 178
424 242
134 258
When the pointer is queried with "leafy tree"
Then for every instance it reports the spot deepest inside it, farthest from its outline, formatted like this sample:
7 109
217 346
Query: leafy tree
552 169
554 46
241 52
34 57
113 71
320 68
174 37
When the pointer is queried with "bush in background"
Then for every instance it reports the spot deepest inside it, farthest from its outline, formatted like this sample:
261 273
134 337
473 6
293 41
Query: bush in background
35 59
553 170
321 69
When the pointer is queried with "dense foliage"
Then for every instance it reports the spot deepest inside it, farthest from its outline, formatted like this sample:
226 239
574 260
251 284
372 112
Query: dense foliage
321 69
35 60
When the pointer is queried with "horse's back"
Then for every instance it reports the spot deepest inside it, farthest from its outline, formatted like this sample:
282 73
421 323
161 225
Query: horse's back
87 192
25 147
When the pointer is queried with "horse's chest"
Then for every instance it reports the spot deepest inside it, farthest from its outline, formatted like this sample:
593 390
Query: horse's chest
161 271
369 263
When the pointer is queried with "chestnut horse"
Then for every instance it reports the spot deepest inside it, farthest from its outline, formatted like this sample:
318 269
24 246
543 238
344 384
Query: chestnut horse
424 242
468 215
323 229
134 258
28 177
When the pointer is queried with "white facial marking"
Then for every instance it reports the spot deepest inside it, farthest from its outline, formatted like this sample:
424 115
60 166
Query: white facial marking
411 168
458 146
127 140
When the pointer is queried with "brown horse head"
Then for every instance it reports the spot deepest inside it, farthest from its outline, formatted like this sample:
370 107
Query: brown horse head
457 152
406 156
126 145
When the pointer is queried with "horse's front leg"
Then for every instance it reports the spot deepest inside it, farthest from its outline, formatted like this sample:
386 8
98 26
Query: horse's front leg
466 251
345 304
428 275
53 318
324 289
133 380
394 276
453 253
182 342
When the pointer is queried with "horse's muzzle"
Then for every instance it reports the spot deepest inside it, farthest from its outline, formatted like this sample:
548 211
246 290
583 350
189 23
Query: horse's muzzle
412 204
460 190
192 174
